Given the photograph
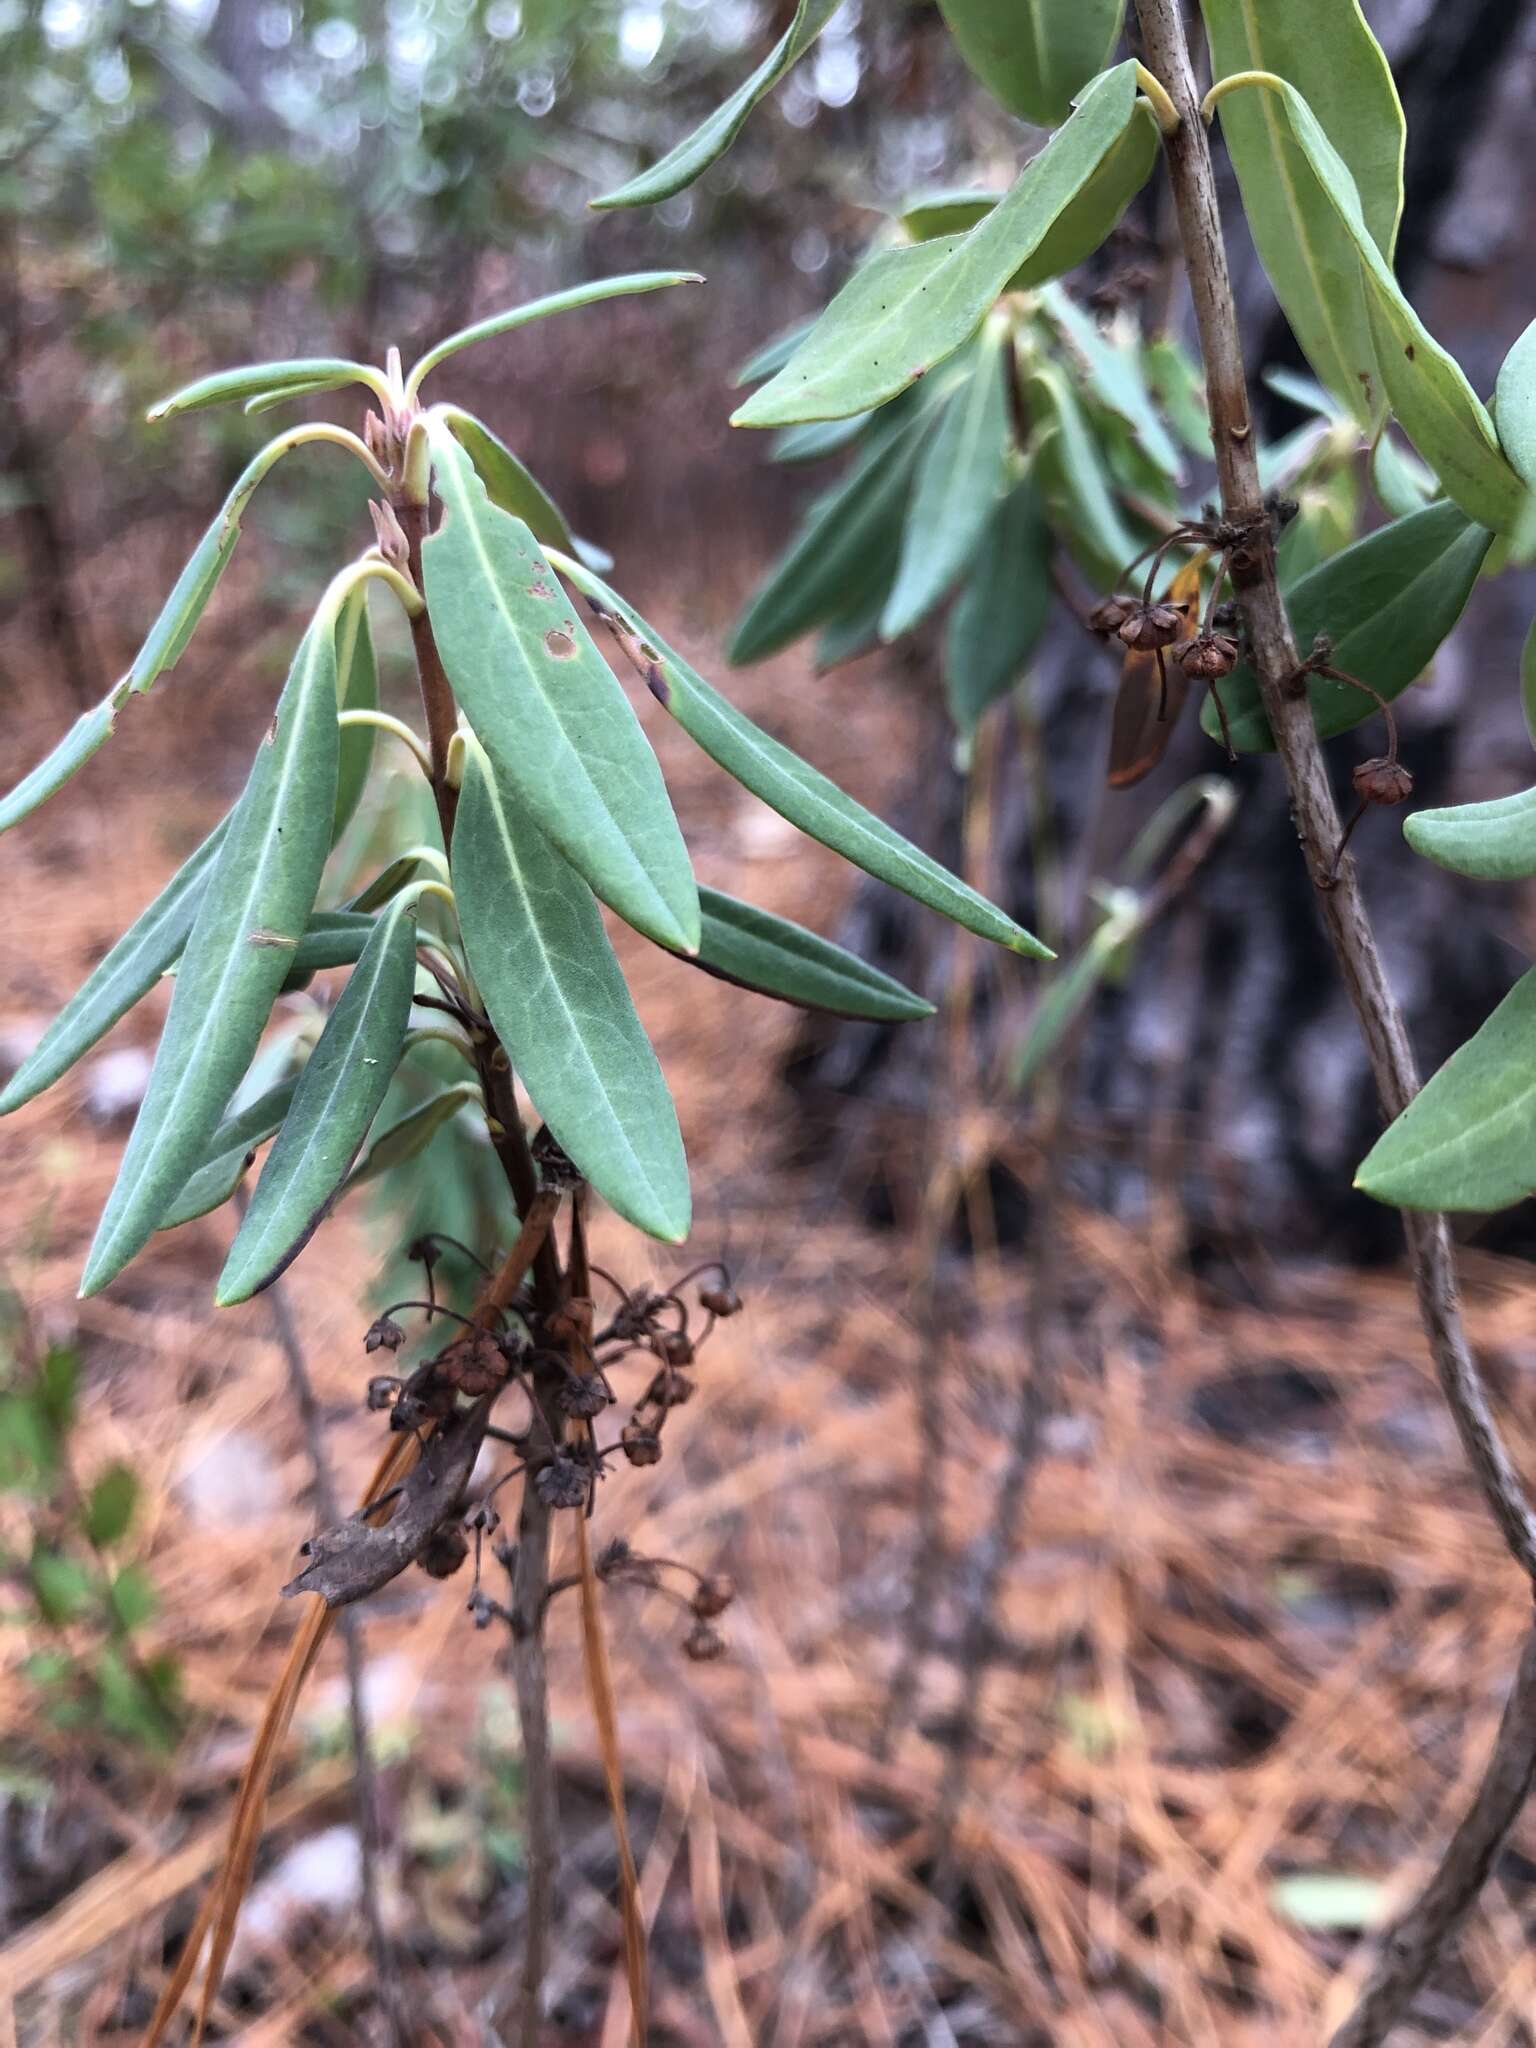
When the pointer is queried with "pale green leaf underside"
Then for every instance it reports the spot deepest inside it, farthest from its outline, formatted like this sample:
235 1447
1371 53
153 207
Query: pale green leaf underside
1514 405
265 380
252 915
1001 612
340 1092
1496 841
409 1135
1468 1138
359 692
1114 375
777 957
540 309
507 483
714 136
229 1152
557 998
548 709
1034 58
797 791
910 308
1071 474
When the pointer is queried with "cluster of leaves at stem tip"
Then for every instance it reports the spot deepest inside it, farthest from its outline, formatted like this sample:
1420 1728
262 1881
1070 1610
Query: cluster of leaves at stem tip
995 426
554 804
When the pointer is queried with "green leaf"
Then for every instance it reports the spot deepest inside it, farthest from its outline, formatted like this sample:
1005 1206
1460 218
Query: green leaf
388 882
856 628
90 732
1071 477
1112 371
248 926
413 1132
844 549
925 216
507 483
1326 50
1495 841
1330 1899
1386 603
339 1093
1400 480
1327 519
908 309
776 957
1072 990
961 474
999 616
1178 384
540 309
128 972
815 440
714 136
554 991
288 394
133 1598
1527 689
266 380
109 1506
1514 406
797 791
61 1586
332 938
773 355
548 709
1035 59
1440 412
230 1151
359 692
1468 1138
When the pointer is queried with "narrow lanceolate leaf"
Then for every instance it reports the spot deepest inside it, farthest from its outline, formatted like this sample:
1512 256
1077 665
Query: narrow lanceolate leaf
815 440
1071 477
359 670
773 355
548 709
1112 371
961 474
1325 50
163 647
999 616
1386 603
507 483
714 136
1440 412
411 1134
845 548
1496 841
339 1094
127 973
908 309
794 789
230 1151
252 916
332 938
540 309
555 993
776 957
1035 58
1468 1138
265 380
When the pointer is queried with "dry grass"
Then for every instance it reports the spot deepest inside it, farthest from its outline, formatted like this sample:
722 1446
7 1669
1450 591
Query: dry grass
1258 1625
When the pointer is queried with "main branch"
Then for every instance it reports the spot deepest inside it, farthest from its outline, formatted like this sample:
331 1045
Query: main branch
1316 817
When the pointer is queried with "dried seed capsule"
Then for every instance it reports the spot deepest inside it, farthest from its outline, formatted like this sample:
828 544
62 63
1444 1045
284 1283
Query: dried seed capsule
675 1347
1107 616
444 1551
1147 627
720 1301
384 1335
703 1643
712 1596
584 1395
670 1388
383 1392
1208 657
641 1446
1383 781
572 1320
561 1483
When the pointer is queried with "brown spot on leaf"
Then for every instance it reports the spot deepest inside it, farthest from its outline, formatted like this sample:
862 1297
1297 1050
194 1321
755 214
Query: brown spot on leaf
262 937
559 644
657 683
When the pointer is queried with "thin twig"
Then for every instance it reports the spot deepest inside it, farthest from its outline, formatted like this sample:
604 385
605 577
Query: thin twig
1283 686
365 1782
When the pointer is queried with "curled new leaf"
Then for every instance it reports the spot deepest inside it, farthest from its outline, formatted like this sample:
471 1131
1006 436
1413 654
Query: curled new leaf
507 483
411 1134
693 156
540 309
776 957
908 309
556 996
1035 58
1468 1138
791 786
267 381
1496 841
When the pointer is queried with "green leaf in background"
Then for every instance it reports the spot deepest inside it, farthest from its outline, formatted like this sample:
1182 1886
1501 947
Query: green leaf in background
557 998
1440 412
815 440
1071 477
133 1598
776 957
359 670
1496 841
773 355
1325 49
1514 406
1035 58
1178 384
128 972
714 136
61 1586
961 474
843 548
252 915
109 1506
1527 685
266 380
340 1092
1399 479
332 938
540 309
1000 614
797 791
1387 603
1468 1138
908 309
507 483
1327 520
230 1150
548 709
411 1134
856 628
1112 371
